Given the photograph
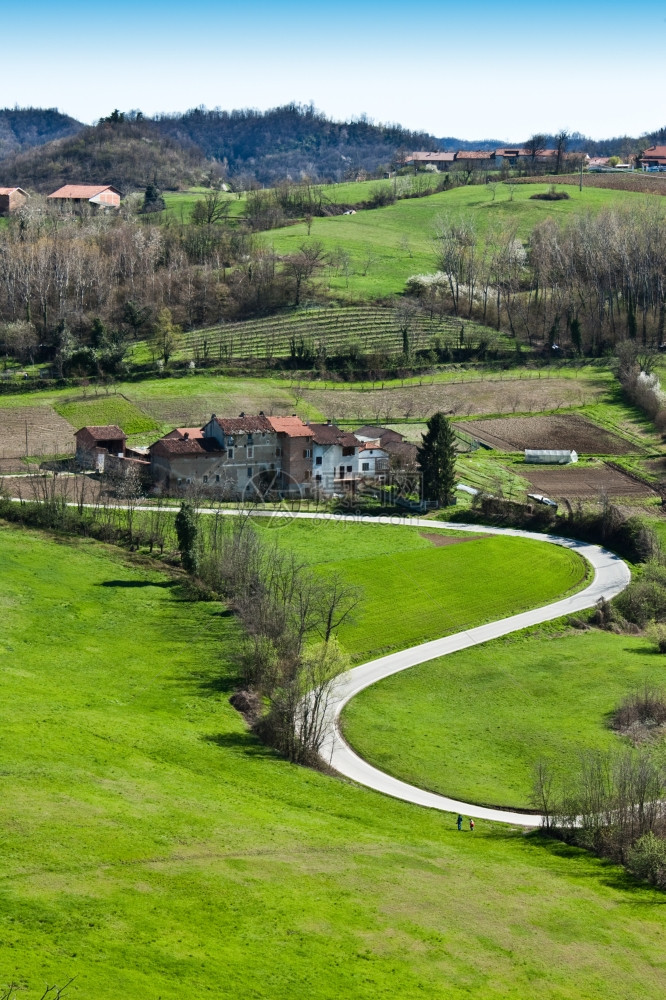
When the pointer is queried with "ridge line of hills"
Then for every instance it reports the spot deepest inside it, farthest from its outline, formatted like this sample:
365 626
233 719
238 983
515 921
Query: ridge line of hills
42 148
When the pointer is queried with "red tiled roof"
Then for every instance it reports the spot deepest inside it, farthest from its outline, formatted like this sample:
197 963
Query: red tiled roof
244 425
422 157
181 432
12 190
382 434
655 152
291 426
82 190
108 432
330 434
473 154
184 446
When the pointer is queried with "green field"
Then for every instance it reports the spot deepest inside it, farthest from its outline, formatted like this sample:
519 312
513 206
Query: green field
152 848
434 590
112 409
387 245
472 724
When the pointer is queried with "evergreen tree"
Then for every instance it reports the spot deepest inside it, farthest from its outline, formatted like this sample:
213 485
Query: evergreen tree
187 530
437 460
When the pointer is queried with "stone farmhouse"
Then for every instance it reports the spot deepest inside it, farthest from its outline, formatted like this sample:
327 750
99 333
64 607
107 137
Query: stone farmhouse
234 456
251 456
11 199
97 195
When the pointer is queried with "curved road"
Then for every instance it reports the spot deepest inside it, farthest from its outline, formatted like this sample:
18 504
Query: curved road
611 575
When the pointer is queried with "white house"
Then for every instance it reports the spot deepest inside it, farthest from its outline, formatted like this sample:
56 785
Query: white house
334 461
371 460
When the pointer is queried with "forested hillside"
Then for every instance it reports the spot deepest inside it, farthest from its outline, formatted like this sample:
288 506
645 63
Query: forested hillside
23 128
129 154
290 141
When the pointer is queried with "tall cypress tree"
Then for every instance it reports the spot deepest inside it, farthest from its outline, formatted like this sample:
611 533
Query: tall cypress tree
437 460
187 530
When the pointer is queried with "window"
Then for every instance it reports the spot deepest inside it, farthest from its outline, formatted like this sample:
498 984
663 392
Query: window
180 481
349 468
307 474
307 453
278 451
366 467
188 481
348 450
230 453
318 477
217 478
205 479
318 460
249 472
250 451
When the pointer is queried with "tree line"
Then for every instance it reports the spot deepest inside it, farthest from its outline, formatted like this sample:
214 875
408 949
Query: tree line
583 286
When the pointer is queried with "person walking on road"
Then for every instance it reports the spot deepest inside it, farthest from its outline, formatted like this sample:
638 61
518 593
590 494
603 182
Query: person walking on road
460 822
471 825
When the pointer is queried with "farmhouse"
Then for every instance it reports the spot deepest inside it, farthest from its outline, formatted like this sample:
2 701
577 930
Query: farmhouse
11 199
95 444
653 158
423 158
235 456
334 454
97 195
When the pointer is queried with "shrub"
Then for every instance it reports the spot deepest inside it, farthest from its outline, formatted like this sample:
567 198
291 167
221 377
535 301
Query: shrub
647 860
645 706
643 601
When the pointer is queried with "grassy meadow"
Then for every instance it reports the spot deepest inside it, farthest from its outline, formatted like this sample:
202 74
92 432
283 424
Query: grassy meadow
151 847
437 589
385 246
472 724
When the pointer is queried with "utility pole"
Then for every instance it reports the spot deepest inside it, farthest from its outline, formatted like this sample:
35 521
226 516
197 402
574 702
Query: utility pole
26 439
580 188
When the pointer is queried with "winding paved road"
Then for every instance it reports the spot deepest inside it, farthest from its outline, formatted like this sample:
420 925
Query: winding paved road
611 575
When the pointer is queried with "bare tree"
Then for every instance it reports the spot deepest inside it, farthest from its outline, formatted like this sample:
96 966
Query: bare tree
535 145
561 143
213 207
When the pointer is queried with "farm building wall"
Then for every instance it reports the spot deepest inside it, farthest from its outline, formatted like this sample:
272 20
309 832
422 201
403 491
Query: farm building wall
12 201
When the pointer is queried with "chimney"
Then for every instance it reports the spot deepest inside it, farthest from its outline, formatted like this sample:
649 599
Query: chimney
261 413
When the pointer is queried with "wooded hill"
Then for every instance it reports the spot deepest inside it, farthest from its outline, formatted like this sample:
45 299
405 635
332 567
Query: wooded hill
290 141
23 128
128 154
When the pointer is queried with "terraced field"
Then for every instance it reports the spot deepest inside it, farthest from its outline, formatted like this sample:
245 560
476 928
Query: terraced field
329 331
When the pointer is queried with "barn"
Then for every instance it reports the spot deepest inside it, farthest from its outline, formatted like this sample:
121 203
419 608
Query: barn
97 195
11 199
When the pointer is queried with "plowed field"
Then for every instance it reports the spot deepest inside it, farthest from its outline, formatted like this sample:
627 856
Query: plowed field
569 431
47 433
582 483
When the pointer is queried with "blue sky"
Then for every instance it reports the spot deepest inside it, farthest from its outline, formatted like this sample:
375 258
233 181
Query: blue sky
473 71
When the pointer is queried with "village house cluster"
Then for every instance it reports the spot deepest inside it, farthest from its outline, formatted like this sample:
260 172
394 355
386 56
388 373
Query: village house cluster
651 159
251 455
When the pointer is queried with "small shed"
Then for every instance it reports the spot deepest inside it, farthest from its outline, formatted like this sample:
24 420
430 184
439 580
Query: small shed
11 199
543 456
93 444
